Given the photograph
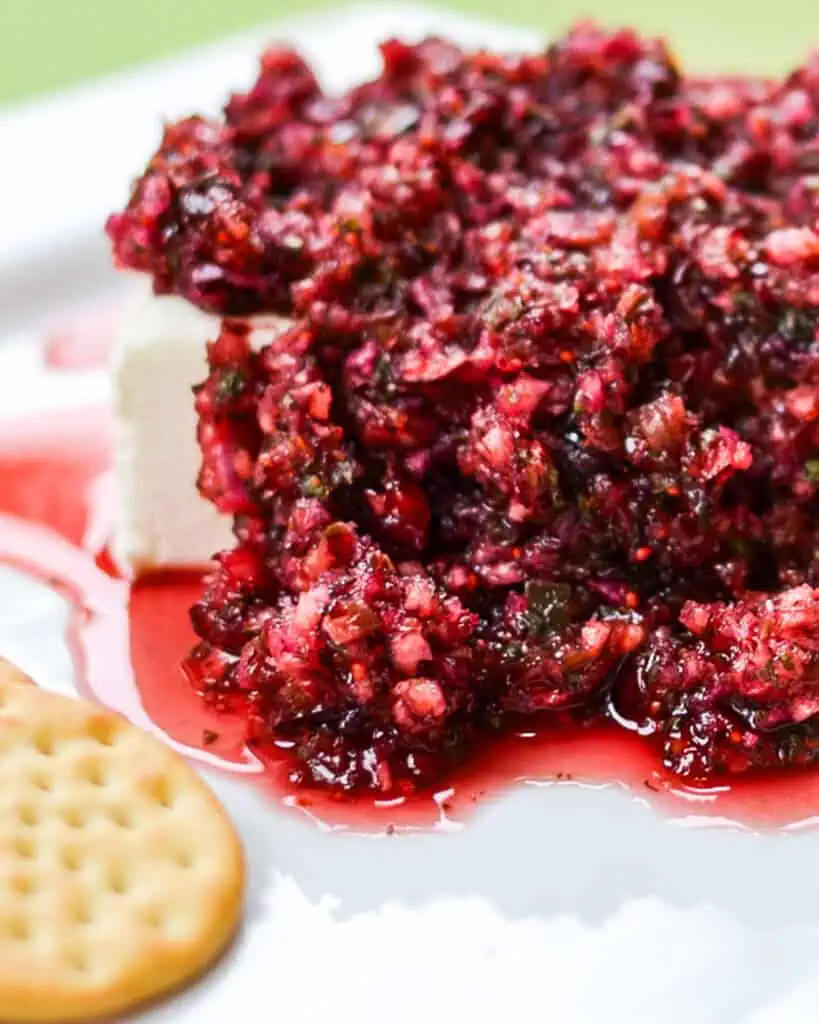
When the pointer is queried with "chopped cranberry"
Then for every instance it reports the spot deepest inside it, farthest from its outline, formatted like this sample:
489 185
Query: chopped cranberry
542 436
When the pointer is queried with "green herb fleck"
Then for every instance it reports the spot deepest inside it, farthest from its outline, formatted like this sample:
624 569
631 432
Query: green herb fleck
548 607
312 486
230 386
797 326
744 302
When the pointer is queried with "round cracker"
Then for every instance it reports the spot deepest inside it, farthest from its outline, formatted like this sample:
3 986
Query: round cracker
121 876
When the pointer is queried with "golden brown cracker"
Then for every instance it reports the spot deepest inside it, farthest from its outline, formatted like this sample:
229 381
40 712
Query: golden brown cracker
121 876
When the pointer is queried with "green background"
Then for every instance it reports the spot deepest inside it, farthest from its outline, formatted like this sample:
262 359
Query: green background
45 44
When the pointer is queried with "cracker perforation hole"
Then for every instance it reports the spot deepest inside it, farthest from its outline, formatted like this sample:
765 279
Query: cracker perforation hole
71 859
42 782
24 848
95 775
29 816
44 743
17 929
117 883
77 961
121 817
184 858
105 731
25 885
154 917
83 914
74 817
163 792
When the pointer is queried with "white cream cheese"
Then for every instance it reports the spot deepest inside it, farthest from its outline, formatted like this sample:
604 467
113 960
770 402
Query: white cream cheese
161 519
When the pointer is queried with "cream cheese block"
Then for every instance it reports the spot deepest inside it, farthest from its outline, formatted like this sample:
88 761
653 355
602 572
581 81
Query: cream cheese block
161 521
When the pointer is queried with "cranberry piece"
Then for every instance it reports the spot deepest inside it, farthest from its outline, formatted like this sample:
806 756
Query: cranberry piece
401 513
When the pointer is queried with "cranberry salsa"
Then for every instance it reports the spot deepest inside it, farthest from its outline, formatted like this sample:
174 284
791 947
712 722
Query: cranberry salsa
542 435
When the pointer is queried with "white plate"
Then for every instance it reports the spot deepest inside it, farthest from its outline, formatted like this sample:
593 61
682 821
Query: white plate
556 903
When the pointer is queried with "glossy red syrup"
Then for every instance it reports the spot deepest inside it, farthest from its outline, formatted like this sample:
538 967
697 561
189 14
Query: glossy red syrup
128 641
